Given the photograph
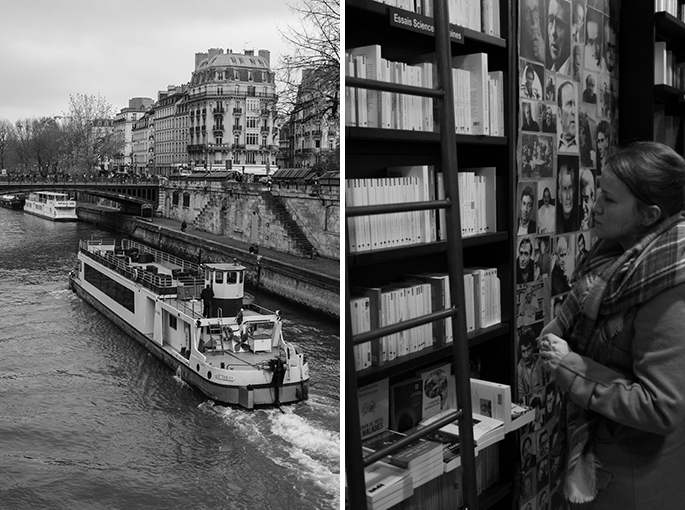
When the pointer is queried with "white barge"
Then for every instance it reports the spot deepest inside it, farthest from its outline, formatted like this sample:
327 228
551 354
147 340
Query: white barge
235 355
50 205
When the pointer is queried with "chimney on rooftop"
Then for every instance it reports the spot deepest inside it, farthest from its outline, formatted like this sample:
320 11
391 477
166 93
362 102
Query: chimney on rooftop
266 55
215 51
199 57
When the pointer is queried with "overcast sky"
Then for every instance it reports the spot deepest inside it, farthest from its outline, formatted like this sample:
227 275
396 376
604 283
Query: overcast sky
120 49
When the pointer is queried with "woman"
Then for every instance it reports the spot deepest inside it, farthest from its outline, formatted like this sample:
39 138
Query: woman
617 348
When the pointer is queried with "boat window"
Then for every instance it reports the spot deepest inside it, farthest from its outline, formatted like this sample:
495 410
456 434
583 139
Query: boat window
260 329
219 278
231 277
240 277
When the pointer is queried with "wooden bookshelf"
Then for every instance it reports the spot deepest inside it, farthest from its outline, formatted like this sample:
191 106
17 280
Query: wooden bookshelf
640 27
368 151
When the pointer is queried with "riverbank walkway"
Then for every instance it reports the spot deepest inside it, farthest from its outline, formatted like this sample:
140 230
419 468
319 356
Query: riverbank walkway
319 265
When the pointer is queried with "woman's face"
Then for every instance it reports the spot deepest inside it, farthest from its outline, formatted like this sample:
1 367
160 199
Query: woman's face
616 217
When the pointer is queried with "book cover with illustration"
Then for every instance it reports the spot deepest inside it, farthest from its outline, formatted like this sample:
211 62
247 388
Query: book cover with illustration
374 407
406 404
439 390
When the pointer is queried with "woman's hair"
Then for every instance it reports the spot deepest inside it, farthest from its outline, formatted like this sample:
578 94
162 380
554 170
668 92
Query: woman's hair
654 173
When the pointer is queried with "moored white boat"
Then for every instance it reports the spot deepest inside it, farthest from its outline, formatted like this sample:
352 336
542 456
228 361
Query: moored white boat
237 355
12 201
51 205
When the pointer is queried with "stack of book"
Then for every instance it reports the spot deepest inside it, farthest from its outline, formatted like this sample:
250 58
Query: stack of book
451 452
486 431
422 459
386 485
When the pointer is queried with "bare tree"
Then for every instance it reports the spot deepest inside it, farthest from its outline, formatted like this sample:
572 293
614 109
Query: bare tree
310 76
6 134
46 145
23 133
90 139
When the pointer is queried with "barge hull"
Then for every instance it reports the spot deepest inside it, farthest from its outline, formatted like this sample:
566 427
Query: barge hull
248 397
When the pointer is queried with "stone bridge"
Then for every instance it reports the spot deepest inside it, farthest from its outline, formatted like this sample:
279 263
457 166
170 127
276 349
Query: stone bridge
135 197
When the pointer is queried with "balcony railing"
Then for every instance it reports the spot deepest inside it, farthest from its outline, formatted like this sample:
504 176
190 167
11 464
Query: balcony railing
237 111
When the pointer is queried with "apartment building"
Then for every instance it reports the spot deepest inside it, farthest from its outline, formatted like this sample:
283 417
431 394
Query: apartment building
231 105
143 136
171 130
123 129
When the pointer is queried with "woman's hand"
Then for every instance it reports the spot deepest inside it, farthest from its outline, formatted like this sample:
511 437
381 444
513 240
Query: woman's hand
552 350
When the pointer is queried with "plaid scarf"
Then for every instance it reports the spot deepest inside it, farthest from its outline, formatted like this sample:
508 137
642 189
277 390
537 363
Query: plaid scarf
607 287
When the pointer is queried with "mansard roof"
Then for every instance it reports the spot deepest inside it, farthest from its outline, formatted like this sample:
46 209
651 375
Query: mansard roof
234 60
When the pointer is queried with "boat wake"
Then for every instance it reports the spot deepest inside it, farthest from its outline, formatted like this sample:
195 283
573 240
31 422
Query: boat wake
292 441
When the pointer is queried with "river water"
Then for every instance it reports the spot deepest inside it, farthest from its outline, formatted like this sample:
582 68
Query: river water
90 420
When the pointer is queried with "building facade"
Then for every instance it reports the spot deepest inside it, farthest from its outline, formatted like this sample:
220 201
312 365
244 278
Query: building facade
171 130
231 107
123 129
143 136
308 135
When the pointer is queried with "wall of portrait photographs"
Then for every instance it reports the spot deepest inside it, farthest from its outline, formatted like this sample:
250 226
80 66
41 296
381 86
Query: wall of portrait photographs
568 118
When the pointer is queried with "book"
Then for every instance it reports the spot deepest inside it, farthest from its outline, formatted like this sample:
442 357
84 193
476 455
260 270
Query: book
497 103
451 452
436 293
469 303
486 297
406 404
476 64
350 94
386 485
374 407
422 458
420 183
361 107
520 415
438 390
379 345
485 199
486 430
361 323
412 455
661 75
372 63
491 399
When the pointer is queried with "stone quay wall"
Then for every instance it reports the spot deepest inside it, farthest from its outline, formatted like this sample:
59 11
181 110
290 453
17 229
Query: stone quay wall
257 214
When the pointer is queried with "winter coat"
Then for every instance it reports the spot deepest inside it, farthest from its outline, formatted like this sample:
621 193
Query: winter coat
640 395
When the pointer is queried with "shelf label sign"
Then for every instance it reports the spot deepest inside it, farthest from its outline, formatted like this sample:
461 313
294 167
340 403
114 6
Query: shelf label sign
423 24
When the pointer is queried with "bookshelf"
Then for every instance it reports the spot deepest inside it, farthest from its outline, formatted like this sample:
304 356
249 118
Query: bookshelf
640 30
369 152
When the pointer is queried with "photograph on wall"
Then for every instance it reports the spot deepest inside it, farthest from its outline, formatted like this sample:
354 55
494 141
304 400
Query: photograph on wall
536 156
527 211
546 213
567 193
532 31
531 80
586 184
565 139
